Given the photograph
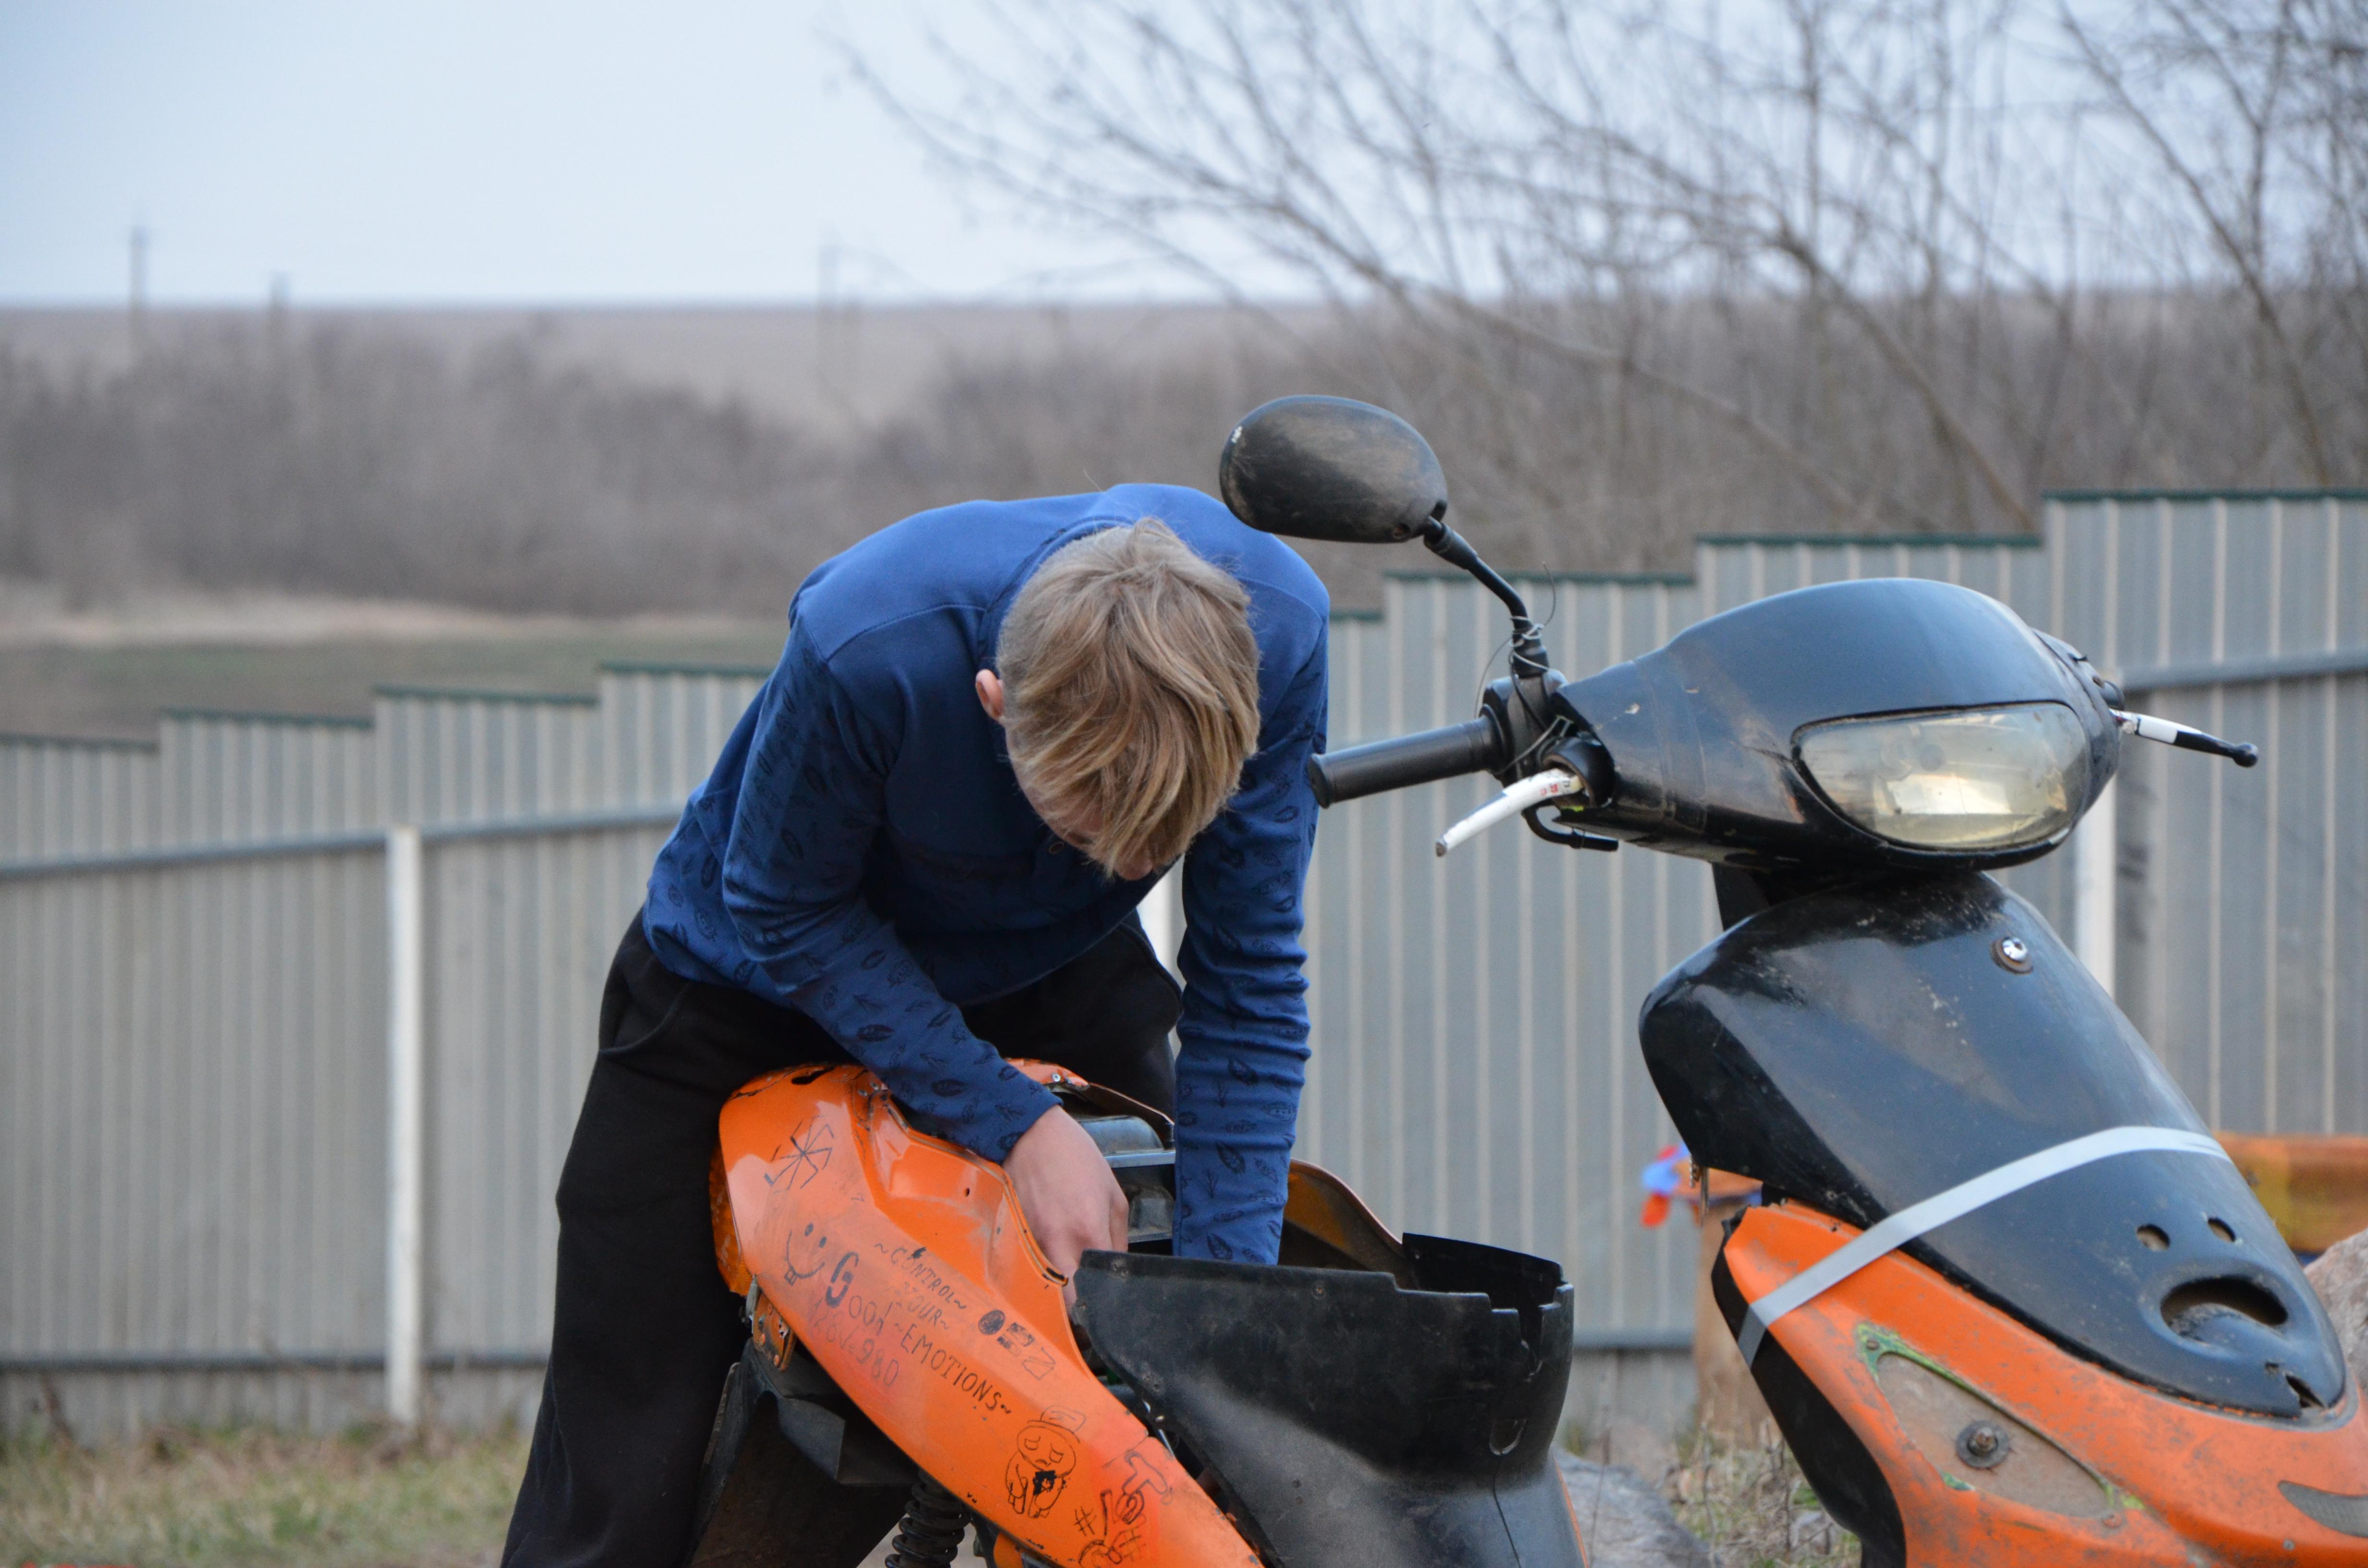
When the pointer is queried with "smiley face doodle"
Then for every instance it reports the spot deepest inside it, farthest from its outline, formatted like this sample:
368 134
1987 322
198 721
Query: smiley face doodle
1040 1468
805 1254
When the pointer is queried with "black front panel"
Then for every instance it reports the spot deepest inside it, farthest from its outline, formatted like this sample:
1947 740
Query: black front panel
1865 1049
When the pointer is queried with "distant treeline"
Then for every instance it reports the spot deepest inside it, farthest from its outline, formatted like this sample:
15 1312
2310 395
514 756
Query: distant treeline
299 456
362 461
1639 270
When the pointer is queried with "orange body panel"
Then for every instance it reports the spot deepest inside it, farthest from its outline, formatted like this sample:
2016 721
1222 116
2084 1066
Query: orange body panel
901 1263
2175 1483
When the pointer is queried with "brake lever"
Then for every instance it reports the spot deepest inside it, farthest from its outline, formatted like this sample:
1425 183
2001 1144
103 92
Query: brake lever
1546 784
1563 837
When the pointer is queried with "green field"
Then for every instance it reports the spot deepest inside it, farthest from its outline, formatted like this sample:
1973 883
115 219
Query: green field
52 688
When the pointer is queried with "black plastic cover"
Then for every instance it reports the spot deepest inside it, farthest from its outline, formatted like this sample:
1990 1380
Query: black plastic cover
1865 1049
1701 730
763 1502
1355 1424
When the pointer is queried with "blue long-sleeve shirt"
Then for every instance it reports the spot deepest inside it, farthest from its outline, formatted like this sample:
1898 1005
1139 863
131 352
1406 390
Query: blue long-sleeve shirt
862 851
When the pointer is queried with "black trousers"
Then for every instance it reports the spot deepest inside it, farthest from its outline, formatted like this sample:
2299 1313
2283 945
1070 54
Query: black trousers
644 1330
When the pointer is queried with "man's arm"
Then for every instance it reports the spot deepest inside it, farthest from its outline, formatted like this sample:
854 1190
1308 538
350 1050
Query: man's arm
1244 1033
811 801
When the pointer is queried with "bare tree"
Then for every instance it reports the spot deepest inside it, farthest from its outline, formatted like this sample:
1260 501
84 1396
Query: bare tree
1864 259
2255 113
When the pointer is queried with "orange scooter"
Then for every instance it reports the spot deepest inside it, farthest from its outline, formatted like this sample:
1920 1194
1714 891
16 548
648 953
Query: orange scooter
2007 1299
1374 1400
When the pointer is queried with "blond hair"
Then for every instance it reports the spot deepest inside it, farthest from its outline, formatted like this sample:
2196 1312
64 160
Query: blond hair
1131 683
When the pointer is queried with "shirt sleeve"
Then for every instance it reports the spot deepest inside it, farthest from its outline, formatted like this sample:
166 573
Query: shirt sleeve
1242 1037
812 800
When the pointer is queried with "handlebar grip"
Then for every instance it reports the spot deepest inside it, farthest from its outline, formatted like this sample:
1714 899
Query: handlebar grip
1473 746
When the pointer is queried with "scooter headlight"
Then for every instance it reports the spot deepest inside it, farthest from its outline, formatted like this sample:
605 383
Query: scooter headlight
1965 778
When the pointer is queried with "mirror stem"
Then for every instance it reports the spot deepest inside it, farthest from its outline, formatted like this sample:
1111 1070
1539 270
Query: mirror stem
1529 647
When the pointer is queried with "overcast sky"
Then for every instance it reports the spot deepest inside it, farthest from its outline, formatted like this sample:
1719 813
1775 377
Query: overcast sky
443 151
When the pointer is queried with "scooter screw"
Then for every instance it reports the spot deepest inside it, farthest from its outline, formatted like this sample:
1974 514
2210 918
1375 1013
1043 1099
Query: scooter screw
2013 953
1981 1445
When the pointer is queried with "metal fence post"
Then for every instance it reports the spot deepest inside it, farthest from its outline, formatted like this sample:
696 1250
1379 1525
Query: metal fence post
2096 859
405 1033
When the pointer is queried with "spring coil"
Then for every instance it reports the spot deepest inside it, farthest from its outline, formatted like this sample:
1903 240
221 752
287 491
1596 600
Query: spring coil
930 1533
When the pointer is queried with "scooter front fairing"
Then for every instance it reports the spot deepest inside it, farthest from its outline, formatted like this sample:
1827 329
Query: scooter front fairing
1863 1050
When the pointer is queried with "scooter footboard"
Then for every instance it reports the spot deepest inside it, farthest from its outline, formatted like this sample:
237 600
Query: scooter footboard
1352 1419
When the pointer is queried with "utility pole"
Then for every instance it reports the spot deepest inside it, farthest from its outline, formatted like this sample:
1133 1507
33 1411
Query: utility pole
838 323
137 321
826 325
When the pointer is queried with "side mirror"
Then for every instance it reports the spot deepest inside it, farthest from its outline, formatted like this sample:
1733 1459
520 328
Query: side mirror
1326 467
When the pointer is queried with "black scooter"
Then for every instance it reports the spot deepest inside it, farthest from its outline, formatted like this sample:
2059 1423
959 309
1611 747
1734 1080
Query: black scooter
2008 1299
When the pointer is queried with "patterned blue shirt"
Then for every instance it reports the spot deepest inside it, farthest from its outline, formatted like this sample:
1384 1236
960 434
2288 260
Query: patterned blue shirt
863 852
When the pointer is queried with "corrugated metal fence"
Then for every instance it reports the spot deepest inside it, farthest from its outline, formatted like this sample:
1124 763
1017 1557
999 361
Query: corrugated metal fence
194 1037
2243 894
193 1040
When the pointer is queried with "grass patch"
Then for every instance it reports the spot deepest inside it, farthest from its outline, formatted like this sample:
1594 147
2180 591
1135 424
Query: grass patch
1751 1508
181 1499
255 1498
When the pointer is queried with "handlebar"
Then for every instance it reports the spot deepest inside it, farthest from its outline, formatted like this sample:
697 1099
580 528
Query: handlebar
2170 732
1476 745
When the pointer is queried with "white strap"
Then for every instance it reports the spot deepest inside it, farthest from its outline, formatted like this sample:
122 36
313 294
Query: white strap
1958 1201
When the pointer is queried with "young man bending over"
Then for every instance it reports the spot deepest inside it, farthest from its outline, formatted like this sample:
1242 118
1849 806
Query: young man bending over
993 728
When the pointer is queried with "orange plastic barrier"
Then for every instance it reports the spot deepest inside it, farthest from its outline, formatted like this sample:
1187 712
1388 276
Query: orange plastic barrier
2314 1186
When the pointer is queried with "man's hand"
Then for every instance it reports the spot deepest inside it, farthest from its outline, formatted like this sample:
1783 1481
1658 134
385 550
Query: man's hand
1065 1190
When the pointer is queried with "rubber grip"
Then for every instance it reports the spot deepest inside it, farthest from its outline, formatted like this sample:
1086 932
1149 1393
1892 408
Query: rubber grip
1473 746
